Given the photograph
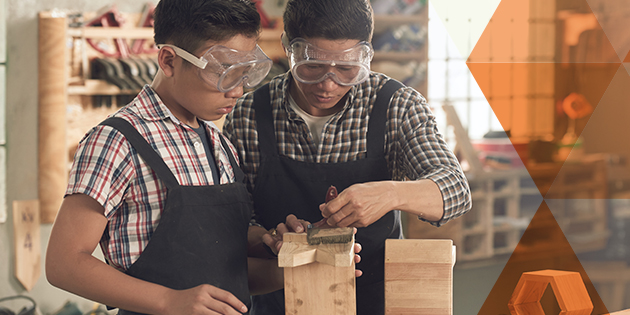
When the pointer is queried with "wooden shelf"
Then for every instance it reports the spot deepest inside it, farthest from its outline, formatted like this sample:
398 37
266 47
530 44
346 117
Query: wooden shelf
112 32
481 234
97 87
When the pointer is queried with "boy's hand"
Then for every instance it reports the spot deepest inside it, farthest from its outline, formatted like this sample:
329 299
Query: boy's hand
273 238
203 299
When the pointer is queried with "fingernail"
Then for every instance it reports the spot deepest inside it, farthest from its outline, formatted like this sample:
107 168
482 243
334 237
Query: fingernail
243 309
299 228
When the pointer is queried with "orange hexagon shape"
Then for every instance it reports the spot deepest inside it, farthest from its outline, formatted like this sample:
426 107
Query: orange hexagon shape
567 286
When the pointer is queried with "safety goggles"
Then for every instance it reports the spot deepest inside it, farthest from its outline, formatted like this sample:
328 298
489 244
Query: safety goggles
311 64
228 68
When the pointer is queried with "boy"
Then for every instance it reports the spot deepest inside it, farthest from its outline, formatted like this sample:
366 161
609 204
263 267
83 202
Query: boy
331 121
158 161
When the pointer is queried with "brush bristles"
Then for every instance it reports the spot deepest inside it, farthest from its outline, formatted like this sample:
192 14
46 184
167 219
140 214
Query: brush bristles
317 236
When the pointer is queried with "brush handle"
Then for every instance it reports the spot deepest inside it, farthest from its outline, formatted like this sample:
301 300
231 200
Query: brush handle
331 193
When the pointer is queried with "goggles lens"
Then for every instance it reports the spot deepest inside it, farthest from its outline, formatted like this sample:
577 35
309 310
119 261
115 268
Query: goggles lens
228 68
310 64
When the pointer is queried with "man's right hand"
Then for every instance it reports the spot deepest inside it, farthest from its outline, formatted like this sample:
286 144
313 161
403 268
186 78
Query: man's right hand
202 299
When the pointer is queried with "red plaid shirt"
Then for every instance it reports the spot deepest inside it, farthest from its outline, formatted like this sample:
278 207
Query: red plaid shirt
109 170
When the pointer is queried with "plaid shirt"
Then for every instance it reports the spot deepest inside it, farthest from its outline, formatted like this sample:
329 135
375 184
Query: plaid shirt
414 149
109 170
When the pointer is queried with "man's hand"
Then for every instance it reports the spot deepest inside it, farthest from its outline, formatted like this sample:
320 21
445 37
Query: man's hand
273 238
203 299
360 205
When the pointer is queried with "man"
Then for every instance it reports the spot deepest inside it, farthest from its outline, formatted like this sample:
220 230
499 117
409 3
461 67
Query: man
331 121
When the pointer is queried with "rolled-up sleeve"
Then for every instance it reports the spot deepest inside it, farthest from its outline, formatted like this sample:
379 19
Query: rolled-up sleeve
425 155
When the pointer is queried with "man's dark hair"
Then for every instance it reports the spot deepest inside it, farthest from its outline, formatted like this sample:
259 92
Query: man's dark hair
188 24
329 19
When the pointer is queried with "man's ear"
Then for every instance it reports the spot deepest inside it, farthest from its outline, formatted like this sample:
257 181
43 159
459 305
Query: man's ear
166 60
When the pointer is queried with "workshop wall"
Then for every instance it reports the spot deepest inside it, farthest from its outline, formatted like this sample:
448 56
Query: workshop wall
21 131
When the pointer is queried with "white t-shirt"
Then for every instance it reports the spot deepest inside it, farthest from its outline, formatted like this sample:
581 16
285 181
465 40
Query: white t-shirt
315 123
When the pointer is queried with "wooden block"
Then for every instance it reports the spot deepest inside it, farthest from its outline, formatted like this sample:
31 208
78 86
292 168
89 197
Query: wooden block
567 286
3 32
3 185
419 276
27 242
296 251
318 279
3 115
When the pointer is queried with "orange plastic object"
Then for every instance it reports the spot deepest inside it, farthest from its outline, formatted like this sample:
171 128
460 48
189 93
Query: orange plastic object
567 286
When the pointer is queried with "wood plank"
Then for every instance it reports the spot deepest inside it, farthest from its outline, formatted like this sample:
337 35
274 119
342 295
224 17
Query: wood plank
317 288
27 242
318 279
419 276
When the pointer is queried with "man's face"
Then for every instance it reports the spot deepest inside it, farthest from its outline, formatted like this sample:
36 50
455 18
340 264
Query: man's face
195 97
326 97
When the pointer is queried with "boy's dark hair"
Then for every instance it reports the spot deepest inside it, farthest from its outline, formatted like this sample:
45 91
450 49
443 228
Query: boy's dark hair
188 24
329 19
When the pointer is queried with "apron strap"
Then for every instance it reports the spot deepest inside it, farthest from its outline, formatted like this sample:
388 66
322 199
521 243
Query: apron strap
376 126
239 176
264 120
144 149
378 117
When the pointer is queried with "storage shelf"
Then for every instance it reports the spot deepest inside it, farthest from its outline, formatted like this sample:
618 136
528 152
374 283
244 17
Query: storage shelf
112 32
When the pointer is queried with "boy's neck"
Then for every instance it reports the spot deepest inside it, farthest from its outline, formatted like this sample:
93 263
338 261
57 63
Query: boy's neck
161 89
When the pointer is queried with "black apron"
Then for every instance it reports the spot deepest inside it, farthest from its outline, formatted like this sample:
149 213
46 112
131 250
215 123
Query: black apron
202 233
285 186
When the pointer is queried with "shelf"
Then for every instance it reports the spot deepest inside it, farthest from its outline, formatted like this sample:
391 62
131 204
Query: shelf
112 32
97 87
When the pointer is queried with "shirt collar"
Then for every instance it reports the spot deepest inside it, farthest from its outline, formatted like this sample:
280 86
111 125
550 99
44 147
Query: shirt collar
150 107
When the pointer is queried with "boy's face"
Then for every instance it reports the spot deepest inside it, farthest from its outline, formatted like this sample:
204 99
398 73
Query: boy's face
193 97
323 98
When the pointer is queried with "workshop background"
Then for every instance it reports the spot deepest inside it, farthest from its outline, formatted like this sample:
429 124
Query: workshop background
531 94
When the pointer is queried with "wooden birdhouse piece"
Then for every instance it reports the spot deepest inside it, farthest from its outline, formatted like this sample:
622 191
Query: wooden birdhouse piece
318 279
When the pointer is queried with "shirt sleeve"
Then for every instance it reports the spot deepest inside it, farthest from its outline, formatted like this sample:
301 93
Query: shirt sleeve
423 153
102 168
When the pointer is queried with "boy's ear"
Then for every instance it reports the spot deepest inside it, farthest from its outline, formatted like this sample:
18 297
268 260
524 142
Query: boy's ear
166 60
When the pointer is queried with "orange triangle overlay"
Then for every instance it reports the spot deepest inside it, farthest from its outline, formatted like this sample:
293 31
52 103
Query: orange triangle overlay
586 166
542 246
505 86
506 78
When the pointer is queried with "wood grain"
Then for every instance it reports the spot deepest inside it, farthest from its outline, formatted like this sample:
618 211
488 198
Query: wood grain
418 276
318 279
27 242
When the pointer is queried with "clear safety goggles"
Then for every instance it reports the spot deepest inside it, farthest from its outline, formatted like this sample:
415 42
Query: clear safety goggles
228 68
311 64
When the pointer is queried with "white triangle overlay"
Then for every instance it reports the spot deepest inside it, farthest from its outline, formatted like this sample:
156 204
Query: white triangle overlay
465 20
614 18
